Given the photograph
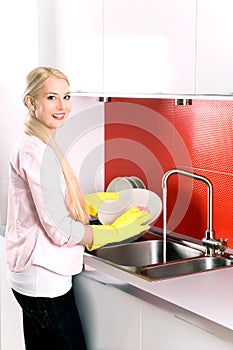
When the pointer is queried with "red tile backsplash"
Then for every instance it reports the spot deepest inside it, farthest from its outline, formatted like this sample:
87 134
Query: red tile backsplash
147 137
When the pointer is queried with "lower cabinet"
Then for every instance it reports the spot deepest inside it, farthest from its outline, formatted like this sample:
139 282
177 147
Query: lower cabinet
164 331
111 318
114 320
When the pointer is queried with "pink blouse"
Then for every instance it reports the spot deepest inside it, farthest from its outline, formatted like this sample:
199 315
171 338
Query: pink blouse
39 230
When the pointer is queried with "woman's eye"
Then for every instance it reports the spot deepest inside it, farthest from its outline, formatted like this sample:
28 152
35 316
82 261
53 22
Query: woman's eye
51 97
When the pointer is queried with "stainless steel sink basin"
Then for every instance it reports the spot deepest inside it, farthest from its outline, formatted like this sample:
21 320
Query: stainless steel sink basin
143 253
185 267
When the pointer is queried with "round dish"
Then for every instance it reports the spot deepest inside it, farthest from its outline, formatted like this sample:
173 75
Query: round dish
132 182
124 183
139 183
119 184
142 198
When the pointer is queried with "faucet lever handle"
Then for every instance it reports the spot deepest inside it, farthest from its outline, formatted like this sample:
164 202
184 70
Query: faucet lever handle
223 241
223 245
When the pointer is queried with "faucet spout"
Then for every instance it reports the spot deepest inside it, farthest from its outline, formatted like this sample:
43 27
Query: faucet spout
209 240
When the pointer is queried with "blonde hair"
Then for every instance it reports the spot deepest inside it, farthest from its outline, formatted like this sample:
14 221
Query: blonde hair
35 81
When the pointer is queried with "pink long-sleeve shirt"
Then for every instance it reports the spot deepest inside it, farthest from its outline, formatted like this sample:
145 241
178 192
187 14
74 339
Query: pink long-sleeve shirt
39 230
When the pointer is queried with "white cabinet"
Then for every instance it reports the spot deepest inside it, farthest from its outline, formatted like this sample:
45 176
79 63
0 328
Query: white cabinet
123 46
128 47
214 47
149 46
168 332
71 39
110 317
114 320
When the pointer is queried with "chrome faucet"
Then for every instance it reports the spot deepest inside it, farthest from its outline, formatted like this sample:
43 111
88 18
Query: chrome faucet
212 245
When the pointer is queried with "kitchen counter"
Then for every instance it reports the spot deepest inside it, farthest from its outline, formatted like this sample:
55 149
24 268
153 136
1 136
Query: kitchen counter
203 299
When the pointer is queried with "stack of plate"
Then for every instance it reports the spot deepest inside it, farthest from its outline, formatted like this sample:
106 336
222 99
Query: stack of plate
141 198
132 192
125 183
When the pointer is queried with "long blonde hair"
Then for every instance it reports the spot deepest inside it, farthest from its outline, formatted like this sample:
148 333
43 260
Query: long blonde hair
35 81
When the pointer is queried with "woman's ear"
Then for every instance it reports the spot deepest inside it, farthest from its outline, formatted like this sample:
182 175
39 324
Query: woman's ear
30 103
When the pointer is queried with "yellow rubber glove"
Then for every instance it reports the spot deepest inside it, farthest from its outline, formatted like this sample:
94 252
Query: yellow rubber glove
127 225
94 200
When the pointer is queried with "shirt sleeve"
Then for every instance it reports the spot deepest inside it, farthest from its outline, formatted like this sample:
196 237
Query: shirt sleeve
46 183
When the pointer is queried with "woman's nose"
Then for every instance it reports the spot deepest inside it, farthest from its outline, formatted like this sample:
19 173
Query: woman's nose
61 103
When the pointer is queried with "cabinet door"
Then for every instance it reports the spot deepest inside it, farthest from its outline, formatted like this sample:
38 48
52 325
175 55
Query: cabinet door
110 317
71 39
166 331
214 47
149 46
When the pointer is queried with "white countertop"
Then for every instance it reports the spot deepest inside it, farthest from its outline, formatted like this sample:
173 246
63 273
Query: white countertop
207 294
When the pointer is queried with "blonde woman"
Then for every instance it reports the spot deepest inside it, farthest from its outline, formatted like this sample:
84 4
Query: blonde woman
48 220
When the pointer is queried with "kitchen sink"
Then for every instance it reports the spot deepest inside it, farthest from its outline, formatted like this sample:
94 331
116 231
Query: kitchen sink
181 268
135 255
145 259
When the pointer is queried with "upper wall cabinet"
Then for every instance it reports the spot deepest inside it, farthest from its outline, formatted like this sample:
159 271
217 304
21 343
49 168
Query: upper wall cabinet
122 46
149 46
214 73
71 39
159 47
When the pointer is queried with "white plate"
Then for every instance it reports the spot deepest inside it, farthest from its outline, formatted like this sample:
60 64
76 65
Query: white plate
124 183
132 182
109 211
119 184
139 183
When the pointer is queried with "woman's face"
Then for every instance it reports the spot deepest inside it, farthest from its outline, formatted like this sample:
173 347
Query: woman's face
52 104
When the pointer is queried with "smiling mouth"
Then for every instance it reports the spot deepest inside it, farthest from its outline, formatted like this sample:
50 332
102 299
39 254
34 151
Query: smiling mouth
59 116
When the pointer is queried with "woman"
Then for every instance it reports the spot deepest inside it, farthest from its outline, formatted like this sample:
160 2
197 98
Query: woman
48 220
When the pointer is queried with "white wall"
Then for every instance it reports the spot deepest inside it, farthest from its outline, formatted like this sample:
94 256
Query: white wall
30 35
85 135
19 54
